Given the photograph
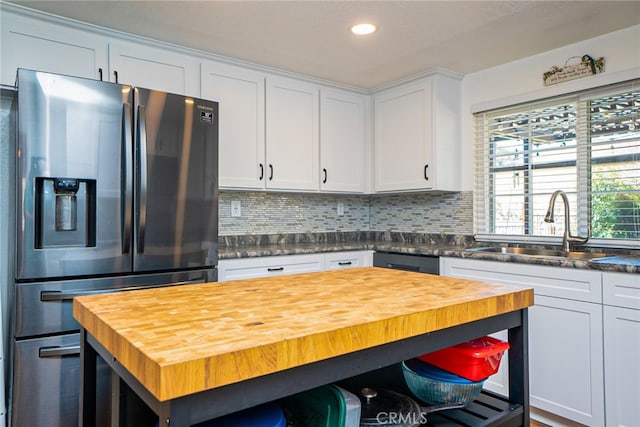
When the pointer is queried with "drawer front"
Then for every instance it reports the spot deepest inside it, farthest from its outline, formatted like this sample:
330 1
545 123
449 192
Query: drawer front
339 260
621 290
268 266
45 308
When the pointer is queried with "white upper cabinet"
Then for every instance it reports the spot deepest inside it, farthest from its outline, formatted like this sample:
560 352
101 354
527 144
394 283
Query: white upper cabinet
240 93
276 133
292 135
30 43
342 141
153 68
417 135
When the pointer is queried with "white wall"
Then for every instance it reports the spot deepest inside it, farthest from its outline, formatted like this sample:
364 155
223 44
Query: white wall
521 81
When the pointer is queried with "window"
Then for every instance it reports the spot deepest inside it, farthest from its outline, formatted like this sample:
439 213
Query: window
587 145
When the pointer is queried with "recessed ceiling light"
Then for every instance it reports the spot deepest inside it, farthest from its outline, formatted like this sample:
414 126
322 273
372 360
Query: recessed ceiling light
363 29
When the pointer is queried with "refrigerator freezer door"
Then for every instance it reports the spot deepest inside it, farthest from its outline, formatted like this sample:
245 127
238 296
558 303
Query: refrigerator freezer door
176 198
72 180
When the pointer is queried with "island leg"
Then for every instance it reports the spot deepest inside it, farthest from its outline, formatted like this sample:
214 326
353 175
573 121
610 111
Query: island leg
87 404
519 365
174 414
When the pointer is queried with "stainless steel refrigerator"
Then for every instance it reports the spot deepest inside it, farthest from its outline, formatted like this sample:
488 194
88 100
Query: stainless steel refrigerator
116 190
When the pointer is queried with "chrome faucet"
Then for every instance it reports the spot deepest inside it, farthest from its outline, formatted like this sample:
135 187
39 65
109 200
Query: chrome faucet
567 238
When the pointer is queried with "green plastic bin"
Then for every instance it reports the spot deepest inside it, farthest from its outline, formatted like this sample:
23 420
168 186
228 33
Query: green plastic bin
326 406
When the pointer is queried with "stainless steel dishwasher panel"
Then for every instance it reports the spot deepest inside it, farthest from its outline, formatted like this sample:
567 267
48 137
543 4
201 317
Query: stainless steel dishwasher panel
46 379
418 263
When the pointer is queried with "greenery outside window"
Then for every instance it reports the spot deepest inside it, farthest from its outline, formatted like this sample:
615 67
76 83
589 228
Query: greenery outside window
586 144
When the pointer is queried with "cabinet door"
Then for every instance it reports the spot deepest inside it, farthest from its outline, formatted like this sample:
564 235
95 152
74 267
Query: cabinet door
402 152
621 367
342 141
240 93
565 359
152 68
292 135
43 46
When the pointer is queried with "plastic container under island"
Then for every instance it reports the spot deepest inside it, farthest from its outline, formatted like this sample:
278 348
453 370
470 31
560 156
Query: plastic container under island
325 406
265 415
435 386
475 360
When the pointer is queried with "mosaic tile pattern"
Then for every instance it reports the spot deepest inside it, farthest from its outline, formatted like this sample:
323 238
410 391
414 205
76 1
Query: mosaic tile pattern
445 213
284 213
287 213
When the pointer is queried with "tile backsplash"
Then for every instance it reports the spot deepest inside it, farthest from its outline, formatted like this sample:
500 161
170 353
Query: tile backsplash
283 213
431 213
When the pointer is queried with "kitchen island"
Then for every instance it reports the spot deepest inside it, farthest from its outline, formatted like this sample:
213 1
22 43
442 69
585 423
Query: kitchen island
197 352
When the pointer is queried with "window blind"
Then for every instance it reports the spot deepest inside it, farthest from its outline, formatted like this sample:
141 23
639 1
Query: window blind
586 144
614 138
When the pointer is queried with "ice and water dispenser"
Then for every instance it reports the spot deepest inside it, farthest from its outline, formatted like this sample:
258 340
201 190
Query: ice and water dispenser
65 210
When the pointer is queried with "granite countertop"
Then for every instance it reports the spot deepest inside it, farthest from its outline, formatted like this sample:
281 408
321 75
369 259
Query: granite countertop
234 247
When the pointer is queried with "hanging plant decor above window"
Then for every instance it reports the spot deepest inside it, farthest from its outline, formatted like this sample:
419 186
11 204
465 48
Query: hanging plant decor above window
586 67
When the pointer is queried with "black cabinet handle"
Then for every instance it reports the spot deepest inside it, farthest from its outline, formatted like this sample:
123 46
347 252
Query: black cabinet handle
100 73
344 262
261 172
270 172
275 269
426 177
115 74
324 180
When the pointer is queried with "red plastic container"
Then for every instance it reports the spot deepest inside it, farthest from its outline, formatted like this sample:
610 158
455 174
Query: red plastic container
474 360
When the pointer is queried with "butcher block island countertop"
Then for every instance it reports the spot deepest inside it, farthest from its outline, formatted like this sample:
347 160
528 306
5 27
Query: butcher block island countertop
181 340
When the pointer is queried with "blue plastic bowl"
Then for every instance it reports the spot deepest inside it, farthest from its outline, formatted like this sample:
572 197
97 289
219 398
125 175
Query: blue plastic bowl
267 415
435 386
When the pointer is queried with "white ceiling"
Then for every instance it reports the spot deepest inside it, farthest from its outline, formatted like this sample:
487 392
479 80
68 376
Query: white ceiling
312 37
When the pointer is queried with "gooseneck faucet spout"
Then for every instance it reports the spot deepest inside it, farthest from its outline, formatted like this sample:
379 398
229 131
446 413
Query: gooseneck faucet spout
567 238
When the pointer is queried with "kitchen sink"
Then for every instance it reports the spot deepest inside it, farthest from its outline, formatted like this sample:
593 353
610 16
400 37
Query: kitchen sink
540 252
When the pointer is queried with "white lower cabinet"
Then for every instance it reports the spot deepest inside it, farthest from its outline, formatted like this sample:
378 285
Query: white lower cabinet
622 365
248 268
566 374
565 359
622 348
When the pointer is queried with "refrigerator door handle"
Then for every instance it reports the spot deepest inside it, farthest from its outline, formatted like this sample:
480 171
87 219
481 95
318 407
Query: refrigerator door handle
127 173
59 351
142 176
67 296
